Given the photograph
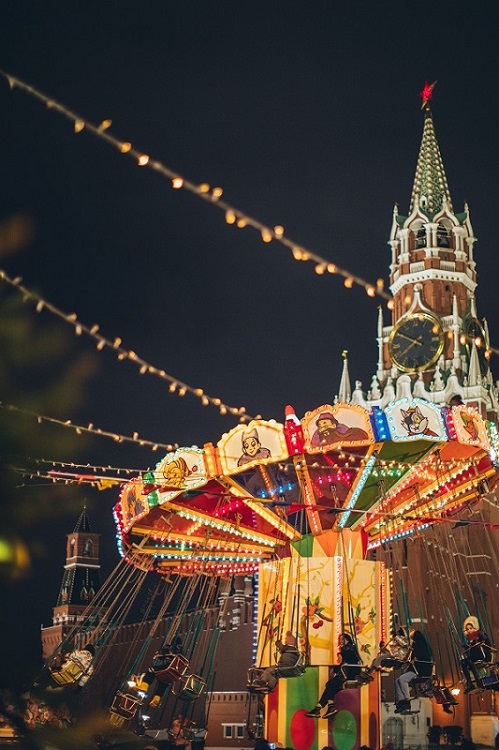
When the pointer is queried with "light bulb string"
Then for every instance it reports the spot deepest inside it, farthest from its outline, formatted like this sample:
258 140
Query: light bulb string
175 385
204 191
74 465
79 429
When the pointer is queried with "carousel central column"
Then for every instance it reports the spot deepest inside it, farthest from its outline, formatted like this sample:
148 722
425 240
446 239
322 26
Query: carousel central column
323 589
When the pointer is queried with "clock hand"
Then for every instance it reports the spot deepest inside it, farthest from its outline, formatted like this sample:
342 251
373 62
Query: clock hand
409 338
413 341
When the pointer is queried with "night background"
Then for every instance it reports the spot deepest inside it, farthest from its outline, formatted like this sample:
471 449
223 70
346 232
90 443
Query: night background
307 114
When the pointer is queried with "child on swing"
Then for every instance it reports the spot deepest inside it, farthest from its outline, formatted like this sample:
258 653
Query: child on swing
288 656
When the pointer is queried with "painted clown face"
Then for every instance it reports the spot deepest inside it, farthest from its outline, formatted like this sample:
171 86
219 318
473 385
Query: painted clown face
251 446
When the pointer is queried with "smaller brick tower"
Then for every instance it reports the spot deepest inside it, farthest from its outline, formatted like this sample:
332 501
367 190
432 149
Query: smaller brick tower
80 583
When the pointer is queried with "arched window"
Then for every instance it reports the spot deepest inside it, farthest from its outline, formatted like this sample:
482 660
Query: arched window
443 239
421 237
87 548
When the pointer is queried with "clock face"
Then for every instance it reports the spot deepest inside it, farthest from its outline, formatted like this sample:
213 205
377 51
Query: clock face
416 342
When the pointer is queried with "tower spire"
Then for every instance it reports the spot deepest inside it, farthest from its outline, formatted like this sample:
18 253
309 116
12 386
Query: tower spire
430 189
345 390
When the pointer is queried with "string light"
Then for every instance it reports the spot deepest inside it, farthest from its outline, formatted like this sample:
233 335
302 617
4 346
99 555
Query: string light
202 191
79 429
122 354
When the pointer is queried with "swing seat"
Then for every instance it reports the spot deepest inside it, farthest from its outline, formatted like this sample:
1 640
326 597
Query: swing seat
392 663
294 670
191 688
351 675
70 673
170 667
443 696
125 705
490 678
195 733
254 684
423 669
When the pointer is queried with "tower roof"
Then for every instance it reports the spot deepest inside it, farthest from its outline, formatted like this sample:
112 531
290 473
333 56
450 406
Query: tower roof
83 522
430 188
345 390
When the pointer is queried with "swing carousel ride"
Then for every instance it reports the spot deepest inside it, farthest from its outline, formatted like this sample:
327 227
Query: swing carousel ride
303 504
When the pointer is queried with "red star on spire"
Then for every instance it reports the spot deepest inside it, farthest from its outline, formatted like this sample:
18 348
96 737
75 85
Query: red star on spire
427 93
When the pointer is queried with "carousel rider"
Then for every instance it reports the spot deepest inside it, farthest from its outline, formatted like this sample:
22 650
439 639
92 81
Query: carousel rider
420 666
348 657
145 682
392 654
478 651
288 657
82 658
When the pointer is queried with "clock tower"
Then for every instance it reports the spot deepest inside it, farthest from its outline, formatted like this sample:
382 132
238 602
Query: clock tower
435 346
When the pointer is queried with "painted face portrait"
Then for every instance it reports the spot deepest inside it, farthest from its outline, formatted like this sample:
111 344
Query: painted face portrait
251 446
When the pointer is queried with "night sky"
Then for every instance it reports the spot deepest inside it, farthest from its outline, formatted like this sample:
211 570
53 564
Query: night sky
307 114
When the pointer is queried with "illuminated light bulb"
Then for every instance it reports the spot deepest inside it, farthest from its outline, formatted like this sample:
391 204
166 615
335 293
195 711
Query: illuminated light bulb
205 400
319 269
198 391
380 284
390 304
478 341
182 391
371 291
223 409
297 253
101 344
348 282
278 231
331 268
78 126
487 354
125 147
267 235
241 223
143 160
217 401
407 299
230 217
117 341
217 192
177 183
105 124
204 188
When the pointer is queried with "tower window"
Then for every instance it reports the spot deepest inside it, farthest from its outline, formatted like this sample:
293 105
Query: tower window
87 548
421 237
442 236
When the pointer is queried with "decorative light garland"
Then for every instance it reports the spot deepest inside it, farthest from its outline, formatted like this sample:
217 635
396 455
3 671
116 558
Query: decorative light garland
175 385
80 429
204 191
